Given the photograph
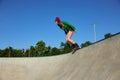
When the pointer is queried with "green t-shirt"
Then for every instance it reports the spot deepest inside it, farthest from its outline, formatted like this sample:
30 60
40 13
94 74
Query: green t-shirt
68 27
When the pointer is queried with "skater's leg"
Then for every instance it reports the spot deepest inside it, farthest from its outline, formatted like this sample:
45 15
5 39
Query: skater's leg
70 41
68 38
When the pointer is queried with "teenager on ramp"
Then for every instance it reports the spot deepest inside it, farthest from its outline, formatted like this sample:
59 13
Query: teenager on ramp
69 30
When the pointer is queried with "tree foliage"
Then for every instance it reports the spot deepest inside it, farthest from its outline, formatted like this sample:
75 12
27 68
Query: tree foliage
40 49
107 35
87 43
65 47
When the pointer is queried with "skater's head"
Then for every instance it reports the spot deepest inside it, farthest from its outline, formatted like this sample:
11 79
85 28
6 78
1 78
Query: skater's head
57 20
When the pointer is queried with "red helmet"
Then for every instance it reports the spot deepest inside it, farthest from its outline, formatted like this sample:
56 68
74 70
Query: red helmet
57 19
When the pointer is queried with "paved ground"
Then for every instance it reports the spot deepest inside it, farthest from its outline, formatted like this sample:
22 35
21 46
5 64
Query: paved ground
100 61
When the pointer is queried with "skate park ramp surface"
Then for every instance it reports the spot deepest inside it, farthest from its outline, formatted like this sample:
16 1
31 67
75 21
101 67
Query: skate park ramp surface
100 61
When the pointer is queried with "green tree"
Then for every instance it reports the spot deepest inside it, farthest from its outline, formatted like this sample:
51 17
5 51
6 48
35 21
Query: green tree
55 51
65 47
87 43
17 53
107 35
6 52
1 53
27 54
10 51
40 47
32 52
48 51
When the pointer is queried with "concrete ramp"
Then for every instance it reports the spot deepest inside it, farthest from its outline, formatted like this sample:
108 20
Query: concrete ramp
100 61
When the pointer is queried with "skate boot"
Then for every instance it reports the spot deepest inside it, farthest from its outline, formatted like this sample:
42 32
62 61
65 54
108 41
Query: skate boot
75 48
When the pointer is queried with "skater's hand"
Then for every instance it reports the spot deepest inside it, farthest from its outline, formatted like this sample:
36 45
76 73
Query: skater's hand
75 31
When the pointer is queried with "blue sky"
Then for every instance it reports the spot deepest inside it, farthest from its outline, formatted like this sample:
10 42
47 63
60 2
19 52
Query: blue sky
25 22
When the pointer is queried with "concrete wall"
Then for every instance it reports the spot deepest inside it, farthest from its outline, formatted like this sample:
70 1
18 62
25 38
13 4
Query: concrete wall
100 61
